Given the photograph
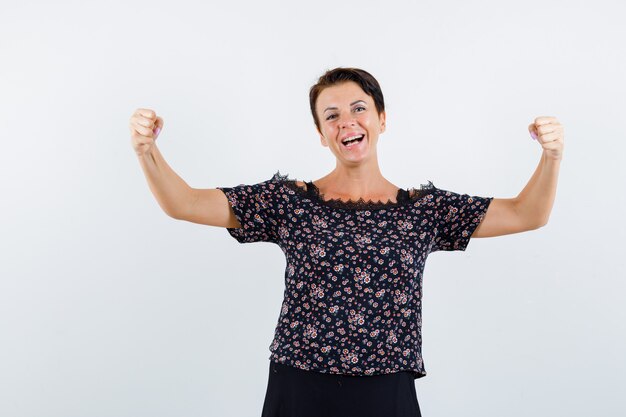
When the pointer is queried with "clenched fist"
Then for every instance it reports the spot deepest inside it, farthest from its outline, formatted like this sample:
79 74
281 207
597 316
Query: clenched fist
145 127
548 131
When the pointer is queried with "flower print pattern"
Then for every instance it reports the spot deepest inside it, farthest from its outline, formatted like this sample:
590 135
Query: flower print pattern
353 279
254 208
462 215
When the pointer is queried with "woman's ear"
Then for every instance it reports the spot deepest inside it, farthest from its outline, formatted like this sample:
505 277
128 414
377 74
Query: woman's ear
383 121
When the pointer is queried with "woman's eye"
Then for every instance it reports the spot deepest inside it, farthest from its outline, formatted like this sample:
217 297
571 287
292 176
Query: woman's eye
356 108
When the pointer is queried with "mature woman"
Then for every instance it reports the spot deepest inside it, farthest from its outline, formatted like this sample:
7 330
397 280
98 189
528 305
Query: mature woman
348 340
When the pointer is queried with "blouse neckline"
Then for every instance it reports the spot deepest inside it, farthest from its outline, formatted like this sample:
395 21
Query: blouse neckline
360 203
402 197
311 191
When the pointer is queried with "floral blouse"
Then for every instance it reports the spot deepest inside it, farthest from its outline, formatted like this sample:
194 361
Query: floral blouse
353 278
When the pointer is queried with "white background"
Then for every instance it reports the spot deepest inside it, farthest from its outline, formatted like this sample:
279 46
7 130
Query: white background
108 307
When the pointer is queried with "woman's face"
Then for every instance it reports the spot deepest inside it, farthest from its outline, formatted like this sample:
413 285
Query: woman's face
345 110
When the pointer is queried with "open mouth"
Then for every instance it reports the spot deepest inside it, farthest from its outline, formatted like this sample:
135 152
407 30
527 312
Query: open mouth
349 142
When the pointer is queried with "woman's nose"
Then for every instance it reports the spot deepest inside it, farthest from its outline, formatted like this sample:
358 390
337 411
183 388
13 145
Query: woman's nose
346 121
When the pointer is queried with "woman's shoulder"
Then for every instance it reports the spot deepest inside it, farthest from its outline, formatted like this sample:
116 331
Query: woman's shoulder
423 190
278 178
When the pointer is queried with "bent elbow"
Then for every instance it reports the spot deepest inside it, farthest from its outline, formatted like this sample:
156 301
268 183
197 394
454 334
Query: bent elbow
175 215
540 224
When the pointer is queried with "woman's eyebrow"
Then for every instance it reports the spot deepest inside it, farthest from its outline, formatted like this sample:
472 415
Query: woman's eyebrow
352 104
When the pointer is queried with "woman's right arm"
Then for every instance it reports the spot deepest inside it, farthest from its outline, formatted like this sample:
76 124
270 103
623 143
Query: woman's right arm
174 195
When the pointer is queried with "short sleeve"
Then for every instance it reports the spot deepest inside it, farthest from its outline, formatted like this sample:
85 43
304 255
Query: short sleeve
459 215
254 206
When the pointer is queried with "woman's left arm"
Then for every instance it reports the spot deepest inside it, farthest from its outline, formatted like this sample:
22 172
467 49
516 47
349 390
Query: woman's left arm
531 208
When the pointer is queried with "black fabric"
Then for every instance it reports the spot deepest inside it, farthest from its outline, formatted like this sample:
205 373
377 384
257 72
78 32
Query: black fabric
353 275
294 392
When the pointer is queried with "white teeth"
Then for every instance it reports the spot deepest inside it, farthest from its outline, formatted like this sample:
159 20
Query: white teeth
351 138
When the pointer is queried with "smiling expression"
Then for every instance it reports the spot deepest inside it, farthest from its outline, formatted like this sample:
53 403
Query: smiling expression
345 110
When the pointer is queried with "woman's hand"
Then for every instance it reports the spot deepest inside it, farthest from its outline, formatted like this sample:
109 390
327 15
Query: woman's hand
549 133
145 127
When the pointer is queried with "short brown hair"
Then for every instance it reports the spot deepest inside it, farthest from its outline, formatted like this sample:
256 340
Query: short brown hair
340 75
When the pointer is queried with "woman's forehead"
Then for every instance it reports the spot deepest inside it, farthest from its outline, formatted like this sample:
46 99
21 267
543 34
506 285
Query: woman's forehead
347 92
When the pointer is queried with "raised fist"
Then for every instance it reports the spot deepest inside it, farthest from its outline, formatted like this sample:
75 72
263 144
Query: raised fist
145 127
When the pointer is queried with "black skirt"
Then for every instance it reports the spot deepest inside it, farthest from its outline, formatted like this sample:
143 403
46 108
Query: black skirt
294 392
